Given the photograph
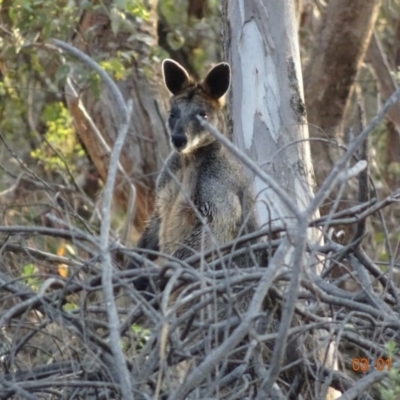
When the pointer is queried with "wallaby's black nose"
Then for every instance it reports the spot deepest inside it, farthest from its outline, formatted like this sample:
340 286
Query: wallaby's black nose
179 141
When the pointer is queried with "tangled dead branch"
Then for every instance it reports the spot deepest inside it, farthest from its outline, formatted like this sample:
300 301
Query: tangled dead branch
91 333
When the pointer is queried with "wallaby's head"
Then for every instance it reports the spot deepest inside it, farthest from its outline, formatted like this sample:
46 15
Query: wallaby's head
190 99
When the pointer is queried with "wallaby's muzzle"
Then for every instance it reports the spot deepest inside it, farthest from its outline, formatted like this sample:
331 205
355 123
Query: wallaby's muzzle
179 141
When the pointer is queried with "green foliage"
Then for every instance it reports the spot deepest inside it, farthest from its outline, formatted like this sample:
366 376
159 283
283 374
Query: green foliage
62 73
135 8
175 39
379 240
115 67
141 335
391 347
41 19
174 11
29 275
27 70
391 391
70 307
198 39
119 11
12 107
61 137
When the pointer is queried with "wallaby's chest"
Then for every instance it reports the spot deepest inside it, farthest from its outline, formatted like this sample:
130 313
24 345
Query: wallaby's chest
175 207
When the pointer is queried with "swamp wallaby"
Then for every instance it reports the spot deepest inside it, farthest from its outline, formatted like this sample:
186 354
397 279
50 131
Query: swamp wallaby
203 199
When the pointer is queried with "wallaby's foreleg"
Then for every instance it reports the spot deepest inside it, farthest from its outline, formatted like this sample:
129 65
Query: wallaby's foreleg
150 237
149 241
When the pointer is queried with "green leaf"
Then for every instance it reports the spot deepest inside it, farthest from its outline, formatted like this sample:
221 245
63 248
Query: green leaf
62 73
28 273
28 270
70 307
117 18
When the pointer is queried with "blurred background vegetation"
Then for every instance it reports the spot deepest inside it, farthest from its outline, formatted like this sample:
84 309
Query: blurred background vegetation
45 163
50 176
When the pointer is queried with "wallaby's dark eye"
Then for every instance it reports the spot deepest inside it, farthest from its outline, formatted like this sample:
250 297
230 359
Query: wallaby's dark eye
203 114
174 113
173 117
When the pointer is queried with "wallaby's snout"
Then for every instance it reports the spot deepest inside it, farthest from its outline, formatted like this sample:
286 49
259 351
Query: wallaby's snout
186 133
179 141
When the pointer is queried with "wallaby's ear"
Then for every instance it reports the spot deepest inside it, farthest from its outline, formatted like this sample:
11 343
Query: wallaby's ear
217 81
175 76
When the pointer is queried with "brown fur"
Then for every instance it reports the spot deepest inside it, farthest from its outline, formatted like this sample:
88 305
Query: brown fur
176 213
202 198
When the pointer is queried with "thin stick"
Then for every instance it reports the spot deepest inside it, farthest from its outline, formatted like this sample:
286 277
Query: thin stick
251 165
331 179
124 113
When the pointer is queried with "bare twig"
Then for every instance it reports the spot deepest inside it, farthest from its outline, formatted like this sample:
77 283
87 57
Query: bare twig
73 234
363 384
288 308
124 113
251 165
238 334
327 186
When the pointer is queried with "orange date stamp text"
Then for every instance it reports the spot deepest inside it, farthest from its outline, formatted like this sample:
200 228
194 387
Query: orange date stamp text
363 364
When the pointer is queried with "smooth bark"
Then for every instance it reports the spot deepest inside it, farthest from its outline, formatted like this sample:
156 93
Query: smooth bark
268 120
268 111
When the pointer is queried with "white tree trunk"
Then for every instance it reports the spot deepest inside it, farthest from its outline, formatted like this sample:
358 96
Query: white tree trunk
268 111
